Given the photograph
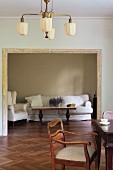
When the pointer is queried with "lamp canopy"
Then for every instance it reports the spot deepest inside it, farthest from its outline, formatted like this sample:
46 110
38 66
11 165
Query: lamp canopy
46 22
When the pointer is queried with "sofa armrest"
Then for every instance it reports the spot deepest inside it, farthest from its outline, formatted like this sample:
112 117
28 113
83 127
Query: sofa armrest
20 107
83 109
87 104
11 108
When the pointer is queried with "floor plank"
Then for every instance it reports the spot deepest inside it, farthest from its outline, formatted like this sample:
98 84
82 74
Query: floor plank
27 146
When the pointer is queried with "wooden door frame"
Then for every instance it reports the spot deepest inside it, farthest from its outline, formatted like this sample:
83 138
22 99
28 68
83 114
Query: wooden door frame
6 51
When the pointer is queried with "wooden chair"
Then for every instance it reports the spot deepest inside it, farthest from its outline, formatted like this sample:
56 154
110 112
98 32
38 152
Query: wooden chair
71 153
108 115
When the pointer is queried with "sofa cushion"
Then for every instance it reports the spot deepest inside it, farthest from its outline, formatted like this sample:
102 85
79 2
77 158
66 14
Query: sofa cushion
45 100
37 102
14 95
34 100
87 104
9 98
78 100
85 97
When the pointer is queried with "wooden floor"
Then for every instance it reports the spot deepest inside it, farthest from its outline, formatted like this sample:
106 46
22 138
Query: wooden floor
27 147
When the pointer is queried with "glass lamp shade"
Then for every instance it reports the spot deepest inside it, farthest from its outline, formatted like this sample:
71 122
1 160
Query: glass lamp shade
22 28
51 34
70 28
46 24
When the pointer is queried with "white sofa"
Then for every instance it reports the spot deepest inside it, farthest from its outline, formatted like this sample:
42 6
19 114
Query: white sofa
83 107
16 111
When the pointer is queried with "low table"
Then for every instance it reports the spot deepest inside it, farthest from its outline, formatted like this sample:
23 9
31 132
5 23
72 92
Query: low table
106 133
54 108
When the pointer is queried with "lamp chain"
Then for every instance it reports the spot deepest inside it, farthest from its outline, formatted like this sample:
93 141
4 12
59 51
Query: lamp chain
52 7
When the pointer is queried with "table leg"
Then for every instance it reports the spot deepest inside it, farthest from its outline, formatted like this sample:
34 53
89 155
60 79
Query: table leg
40 116
108 154
98 150
67 115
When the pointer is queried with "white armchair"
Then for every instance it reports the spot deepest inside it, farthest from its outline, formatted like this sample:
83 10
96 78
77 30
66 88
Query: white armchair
16 111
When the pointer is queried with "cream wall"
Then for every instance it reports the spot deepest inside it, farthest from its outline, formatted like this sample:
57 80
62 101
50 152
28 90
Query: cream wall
52 74
91 34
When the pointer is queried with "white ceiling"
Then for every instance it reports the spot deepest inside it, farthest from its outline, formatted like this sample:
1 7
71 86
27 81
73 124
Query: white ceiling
76 8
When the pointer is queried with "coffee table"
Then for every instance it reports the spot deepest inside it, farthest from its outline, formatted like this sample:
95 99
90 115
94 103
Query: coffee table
40 109
106 133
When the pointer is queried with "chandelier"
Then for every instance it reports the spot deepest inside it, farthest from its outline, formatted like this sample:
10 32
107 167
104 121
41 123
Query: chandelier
46 22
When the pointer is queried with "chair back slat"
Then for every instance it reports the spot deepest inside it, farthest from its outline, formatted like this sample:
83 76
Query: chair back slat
55 134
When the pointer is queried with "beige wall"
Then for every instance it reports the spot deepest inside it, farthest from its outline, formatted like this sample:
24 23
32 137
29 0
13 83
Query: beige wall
52 74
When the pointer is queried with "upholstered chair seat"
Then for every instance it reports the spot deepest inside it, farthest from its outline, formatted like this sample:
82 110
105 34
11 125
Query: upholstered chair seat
74 153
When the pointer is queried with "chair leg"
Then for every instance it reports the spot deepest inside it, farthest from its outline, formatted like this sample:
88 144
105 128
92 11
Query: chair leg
96 164
53 165
88 167
13 124
63 167
25 121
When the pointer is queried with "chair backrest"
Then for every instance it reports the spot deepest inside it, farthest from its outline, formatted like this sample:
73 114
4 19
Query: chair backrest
108 115
11 96
55 132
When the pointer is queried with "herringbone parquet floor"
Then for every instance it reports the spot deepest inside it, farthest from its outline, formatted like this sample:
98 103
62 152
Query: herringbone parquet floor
27 147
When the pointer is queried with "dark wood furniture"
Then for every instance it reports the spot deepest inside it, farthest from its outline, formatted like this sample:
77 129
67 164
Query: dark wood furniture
53 108
94 114
106 133
79 153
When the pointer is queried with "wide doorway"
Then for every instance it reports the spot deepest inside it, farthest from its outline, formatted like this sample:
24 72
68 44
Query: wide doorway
7 52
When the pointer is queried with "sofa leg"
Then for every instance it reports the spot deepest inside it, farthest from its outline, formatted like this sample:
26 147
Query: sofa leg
13 124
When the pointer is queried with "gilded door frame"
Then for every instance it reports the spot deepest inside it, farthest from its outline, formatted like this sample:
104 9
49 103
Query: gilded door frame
6 51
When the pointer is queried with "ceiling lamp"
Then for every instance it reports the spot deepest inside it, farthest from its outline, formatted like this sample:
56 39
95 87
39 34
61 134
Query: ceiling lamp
46 22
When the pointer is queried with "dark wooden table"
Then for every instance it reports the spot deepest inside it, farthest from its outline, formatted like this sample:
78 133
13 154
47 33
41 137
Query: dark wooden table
53 108
106 133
